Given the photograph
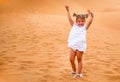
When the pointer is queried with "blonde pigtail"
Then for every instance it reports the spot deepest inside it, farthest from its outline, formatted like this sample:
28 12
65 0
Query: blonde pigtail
75 15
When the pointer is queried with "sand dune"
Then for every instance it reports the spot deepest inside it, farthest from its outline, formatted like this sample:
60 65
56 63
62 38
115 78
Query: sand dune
33 41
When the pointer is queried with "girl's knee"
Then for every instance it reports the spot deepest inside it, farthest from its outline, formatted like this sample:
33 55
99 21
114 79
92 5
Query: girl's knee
79 59
79 56
72 60
72 56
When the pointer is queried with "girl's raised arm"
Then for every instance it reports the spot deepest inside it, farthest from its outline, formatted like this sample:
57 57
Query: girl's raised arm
90 19
69 16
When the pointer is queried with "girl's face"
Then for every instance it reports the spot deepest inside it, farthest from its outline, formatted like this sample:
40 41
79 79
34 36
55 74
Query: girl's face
80 22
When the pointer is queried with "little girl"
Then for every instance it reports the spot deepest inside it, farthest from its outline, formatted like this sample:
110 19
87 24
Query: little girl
77 39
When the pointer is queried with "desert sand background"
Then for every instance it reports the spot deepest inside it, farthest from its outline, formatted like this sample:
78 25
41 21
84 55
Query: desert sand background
33 41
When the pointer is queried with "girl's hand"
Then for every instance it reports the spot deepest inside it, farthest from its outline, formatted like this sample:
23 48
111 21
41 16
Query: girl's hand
69 16
89 12
67 8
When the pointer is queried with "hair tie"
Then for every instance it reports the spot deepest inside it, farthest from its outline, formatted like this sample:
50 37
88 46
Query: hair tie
86 15
75 15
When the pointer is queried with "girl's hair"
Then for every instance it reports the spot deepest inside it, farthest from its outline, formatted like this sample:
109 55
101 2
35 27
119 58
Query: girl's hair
82 16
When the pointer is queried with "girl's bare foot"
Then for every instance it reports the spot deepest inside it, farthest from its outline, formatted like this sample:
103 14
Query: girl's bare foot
78 76
72 73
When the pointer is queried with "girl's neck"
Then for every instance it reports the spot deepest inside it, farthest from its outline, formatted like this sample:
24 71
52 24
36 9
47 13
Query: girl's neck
79 25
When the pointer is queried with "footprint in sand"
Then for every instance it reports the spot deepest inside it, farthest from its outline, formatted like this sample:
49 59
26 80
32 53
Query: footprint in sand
109 72
9 59
114 78
108 43
24 65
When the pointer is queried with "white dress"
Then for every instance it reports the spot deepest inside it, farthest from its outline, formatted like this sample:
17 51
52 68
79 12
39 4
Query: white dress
77 38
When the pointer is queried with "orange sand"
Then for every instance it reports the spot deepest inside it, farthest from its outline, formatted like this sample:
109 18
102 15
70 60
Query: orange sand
33 41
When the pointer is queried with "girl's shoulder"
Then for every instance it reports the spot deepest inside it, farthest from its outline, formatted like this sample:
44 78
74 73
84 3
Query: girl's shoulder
85 26
74 24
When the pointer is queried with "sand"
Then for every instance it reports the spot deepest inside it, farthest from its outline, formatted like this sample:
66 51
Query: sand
33 41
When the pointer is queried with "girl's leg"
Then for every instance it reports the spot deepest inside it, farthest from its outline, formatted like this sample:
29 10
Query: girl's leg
72 60
79 59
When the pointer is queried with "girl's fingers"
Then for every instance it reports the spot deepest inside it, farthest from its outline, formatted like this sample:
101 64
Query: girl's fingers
67 7
88 11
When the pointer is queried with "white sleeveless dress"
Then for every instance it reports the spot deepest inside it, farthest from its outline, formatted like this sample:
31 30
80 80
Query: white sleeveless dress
77 38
